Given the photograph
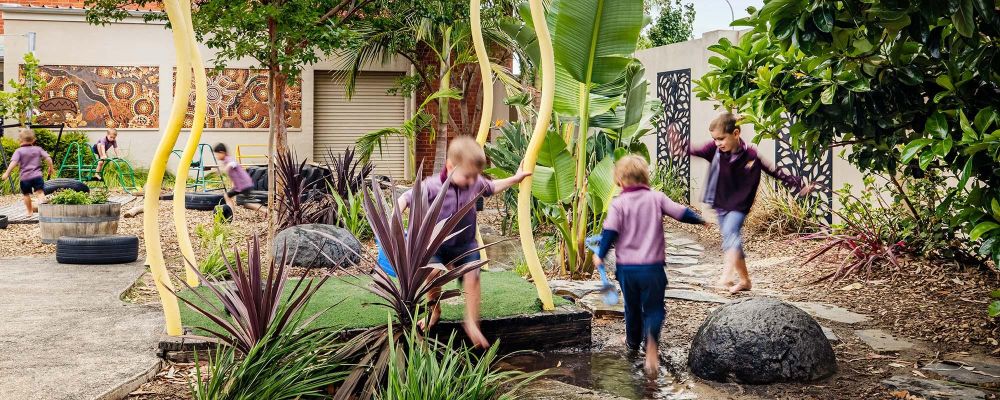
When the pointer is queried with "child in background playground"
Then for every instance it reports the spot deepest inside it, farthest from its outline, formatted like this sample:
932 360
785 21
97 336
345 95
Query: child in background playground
29 157
101 149
465 166
731 189
634 225
241 179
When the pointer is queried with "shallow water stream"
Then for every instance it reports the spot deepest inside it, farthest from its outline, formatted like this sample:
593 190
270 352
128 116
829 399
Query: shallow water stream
618 374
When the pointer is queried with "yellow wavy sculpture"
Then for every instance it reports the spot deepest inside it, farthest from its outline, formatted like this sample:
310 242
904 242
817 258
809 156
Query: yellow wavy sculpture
183 38
531 156
197 126
487 80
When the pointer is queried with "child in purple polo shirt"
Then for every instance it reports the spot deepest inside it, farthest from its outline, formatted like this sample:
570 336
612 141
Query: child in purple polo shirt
30 157
102 148
465 164
242 182
634 225
731 189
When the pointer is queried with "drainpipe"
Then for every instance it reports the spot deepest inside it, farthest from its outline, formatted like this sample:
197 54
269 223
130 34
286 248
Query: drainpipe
31 50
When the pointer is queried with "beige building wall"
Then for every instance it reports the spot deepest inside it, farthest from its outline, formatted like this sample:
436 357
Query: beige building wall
65 38
694 54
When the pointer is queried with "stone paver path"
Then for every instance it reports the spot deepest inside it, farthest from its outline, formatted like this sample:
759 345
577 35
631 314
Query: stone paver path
880 340
67 335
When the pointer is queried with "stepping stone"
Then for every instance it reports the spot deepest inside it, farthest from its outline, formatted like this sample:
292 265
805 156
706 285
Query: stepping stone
695 295
967 372
680 285
832 312
832 337
680 242
574 289
677 251
697 270
594 303
681 260
881 341
696 246
931 389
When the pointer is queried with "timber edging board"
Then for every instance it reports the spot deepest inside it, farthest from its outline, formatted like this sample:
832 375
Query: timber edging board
565 327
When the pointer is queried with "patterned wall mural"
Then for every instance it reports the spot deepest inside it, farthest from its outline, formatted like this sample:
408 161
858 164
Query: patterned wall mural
100 96
237 99
673 131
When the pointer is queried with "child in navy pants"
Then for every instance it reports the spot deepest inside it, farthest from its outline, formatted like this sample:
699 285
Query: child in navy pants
635 227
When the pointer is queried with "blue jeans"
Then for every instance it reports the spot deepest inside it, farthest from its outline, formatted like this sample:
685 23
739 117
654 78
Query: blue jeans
643 288
731 225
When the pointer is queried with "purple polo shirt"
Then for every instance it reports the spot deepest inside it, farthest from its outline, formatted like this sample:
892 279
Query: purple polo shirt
637 215
739 176
454 199
29 158
241 179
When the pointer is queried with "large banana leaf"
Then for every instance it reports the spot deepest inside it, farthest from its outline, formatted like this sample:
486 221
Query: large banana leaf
553 180
594 39
601 185
567 99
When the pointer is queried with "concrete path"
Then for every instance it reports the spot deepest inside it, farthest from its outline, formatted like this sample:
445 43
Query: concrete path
67 335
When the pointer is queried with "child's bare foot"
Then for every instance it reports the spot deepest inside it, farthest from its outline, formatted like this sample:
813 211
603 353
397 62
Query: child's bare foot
475 335
652 364
435 316
739 287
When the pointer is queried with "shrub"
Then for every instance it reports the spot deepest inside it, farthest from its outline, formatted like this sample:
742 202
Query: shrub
779 212
72 197
213 239
664 178
351 215
269 349
427 369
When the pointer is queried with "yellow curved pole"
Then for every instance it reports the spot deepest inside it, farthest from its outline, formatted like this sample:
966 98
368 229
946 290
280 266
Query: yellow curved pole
531 156
197 126
151 227
487 80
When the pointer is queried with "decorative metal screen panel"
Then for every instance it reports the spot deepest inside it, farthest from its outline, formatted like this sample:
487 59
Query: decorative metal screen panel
673 131
818 171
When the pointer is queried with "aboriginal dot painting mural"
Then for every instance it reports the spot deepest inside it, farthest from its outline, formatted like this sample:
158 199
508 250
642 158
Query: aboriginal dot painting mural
99 96
237 99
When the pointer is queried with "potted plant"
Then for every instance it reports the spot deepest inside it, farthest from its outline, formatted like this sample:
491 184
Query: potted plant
72 213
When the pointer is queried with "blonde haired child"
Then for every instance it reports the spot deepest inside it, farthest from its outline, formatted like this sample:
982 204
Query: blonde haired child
634 225
29 157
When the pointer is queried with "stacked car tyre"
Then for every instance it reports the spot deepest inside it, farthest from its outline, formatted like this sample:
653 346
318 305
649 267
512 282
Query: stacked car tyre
113 249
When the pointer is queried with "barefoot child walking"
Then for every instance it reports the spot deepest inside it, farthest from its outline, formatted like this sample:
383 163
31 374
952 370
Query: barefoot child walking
464 165
731 189
634 225
29 157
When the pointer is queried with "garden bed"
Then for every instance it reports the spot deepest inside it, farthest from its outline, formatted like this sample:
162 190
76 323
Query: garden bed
511 313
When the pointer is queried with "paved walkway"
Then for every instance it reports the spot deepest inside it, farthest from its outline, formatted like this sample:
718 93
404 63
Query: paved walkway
67 335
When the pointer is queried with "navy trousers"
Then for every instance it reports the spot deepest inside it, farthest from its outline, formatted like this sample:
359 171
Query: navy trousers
643 288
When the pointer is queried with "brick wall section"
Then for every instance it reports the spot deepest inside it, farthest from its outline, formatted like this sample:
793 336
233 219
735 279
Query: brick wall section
57 4
472 102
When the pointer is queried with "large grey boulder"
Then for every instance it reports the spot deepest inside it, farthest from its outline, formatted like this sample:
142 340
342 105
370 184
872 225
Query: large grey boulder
761 340
307 247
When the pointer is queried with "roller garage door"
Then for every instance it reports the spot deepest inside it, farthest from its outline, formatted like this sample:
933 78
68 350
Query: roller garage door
339 122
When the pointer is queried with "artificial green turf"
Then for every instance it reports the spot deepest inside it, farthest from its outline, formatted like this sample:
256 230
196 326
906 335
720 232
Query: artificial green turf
504 294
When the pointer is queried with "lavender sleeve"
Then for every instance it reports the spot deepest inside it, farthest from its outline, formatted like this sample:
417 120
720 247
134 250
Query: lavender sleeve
679 212
790 181
486 185
613 221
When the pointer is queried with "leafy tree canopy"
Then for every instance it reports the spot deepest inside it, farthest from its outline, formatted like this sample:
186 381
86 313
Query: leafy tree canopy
674 24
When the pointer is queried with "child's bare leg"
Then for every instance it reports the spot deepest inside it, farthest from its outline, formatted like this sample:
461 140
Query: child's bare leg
41 199
652 364
472 298
27 204
739 263
432 295
229 201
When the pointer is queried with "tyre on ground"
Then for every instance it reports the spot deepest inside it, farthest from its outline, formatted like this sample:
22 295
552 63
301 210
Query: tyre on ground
203 201
111 249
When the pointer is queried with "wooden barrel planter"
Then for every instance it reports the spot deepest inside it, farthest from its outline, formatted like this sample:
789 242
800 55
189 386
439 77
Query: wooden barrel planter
57 220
